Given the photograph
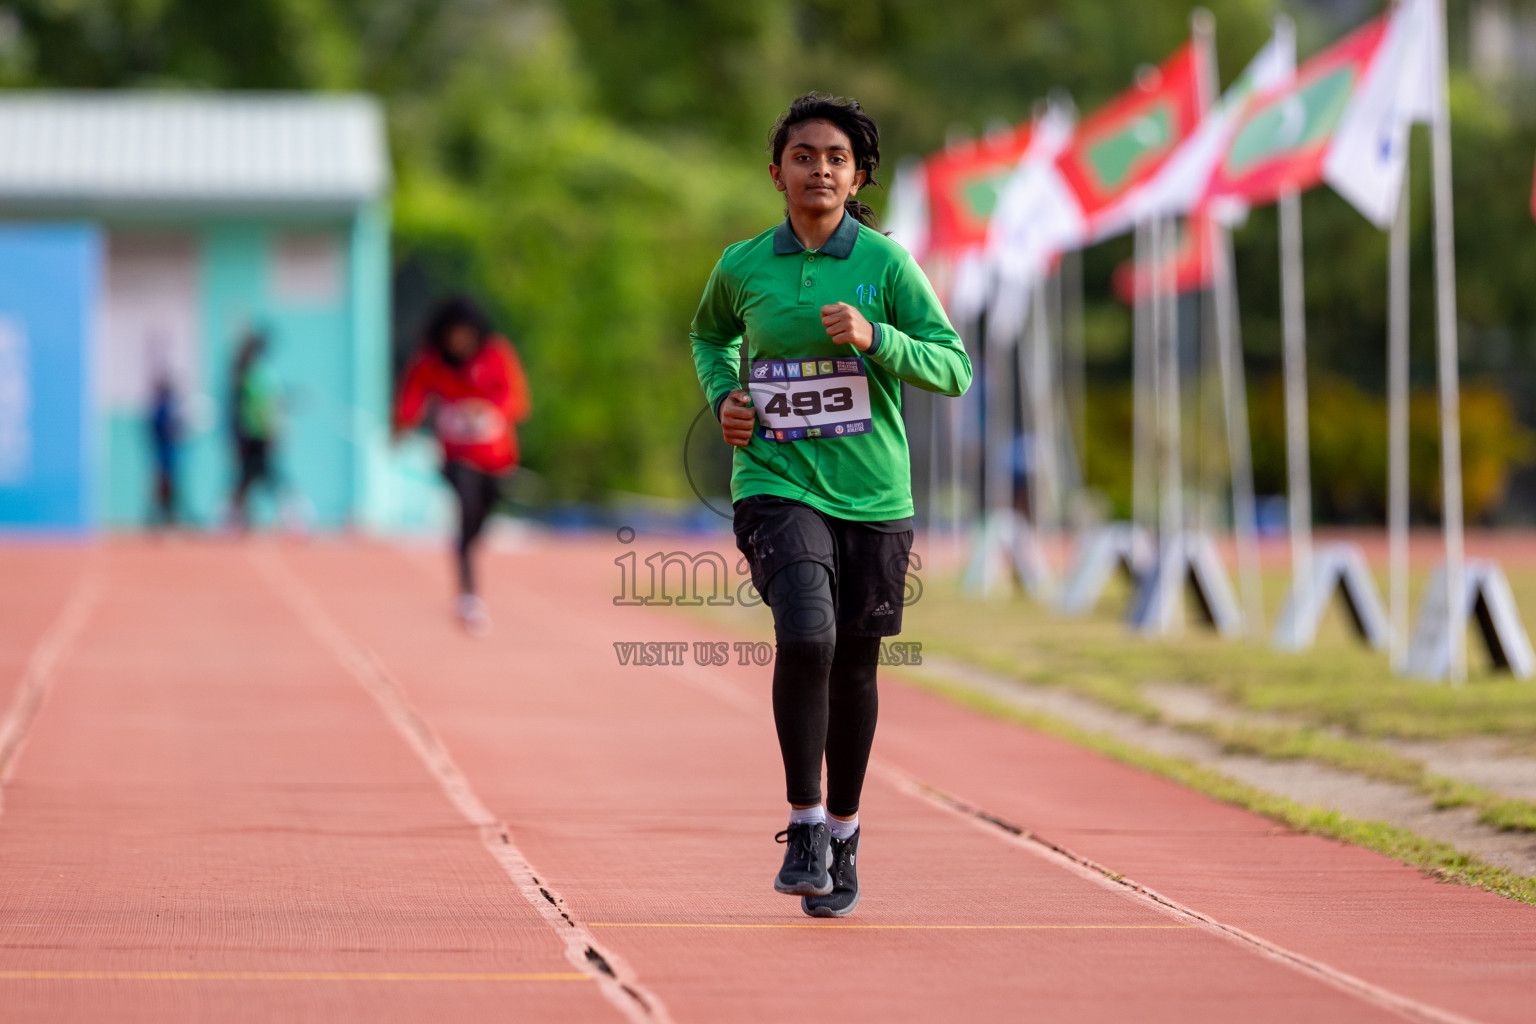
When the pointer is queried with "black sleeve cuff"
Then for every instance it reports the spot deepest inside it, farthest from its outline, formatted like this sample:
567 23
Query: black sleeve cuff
874 345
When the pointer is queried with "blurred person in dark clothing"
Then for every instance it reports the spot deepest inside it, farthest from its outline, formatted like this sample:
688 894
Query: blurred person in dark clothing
253 424
471 379
165 438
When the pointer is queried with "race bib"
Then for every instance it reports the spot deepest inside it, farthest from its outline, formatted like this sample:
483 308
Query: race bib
797 399
470 421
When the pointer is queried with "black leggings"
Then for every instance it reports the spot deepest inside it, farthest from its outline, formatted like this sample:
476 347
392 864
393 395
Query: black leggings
477 493
824 697
255 458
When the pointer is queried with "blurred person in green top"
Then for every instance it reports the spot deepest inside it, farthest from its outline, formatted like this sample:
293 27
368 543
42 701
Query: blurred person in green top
254 409
836 317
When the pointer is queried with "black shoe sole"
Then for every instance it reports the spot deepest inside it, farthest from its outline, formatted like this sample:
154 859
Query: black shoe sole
811 911
803 889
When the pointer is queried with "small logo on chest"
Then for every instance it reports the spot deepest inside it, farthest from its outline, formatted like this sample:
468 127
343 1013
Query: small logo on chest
866 293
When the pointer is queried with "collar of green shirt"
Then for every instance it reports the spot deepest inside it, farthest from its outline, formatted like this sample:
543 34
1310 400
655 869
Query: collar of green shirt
840 244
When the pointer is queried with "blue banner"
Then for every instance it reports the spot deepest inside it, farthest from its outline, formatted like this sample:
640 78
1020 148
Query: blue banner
49 286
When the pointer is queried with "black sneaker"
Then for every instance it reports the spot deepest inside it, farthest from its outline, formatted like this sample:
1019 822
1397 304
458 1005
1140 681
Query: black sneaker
845 881
805 862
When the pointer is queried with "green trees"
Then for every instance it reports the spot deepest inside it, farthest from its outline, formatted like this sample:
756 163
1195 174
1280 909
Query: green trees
590 239
581 163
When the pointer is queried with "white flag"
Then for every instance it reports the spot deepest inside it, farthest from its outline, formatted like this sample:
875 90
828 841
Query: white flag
970 288
1403 85
907 216
1037 218
1037 215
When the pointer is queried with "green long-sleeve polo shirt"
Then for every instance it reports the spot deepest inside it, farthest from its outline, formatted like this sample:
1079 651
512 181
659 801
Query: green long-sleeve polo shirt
770 290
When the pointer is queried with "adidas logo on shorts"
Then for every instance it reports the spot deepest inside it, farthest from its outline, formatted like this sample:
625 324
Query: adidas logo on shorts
884 609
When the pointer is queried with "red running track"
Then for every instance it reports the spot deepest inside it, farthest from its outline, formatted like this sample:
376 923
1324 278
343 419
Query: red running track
272 782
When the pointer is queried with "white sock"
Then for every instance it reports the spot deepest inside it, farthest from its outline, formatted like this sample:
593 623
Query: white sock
807 815
843 829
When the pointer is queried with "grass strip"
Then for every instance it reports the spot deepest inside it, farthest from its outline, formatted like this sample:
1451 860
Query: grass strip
1284 742
1301 742
1434 858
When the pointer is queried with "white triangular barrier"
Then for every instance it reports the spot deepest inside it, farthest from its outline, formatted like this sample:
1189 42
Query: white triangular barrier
1005 544
1335 567
1191 558
1485 597
1102 552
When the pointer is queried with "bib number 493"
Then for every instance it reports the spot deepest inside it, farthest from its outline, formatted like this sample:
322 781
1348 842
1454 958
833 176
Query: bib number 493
802 399
810 403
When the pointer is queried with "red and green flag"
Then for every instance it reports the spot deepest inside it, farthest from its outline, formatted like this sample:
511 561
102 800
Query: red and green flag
1126 143
963 189
1075 192
1284 137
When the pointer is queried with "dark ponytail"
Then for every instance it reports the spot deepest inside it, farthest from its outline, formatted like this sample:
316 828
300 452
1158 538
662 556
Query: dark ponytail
850 118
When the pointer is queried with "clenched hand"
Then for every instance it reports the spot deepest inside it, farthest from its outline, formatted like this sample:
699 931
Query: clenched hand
737 418
847 326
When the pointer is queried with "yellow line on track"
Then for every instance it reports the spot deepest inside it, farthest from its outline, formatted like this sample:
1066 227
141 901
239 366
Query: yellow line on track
277 976
911 927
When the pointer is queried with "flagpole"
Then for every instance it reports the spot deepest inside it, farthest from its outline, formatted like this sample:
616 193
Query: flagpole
1173 451
1064 448
1234 388
1202 30
965 440
1208 468
934 490
1397 431
1299 484
1449 372
1234 391
1154 385
1142 419
1075 386
995 448
956 424
1045 493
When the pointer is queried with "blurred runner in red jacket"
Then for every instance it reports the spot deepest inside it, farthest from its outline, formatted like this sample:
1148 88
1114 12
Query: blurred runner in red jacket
471 382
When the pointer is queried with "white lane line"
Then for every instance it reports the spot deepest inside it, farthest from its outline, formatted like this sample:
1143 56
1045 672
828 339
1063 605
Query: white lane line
1083 867
1405 1006
48 652
615 978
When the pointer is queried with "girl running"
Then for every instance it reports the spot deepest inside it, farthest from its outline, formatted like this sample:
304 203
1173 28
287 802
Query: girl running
836 316
474 379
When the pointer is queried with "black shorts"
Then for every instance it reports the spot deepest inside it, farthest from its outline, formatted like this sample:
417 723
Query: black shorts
254 454
867 561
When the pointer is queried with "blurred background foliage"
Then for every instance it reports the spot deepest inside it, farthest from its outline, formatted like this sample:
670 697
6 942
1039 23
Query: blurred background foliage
581 163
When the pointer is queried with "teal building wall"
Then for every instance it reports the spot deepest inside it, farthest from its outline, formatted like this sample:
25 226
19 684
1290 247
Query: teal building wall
328 355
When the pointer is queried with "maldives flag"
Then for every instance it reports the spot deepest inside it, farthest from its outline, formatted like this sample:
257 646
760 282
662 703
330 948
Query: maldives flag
1179 187
1285 135
1037 218
963 189
1189 265
1126 143
1067 189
